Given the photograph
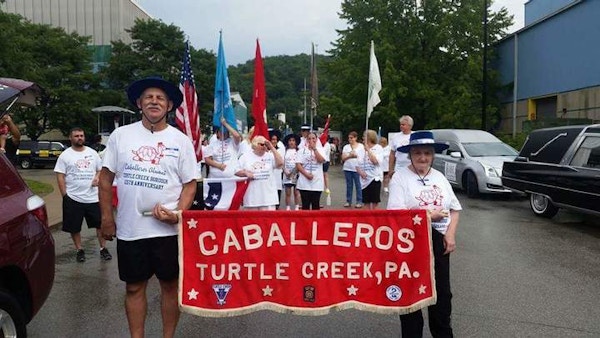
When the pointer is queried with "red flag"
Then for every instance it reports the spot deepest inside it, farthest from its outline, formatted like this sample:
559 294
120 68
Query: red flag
259 97
325 136
187 114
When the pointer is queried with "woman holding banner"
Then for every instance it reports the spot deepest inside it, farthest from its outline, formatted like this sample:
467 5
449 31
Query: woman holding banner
309 164
259 166
419 186
222 153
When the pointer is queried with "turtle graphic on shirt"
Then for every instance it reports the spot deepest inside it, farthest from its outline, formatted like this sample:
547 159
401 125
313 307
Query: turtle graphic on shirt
149 153
431 196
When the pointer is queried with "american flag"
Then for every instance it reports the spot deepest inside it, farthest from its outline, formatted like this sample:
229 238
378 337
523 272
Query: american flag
220 193
187 114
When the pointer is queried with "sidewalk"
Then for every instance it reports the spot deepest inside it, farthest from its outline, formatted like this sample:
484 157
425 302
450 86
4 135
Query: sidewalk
53 200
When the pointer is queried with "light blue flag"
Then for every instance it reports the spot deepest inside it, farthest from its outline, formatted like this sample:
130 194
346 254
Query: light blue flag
223 105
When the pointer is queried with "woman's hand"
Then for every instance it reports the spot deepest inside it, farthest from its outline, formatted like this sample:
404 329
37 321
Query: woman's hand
438 214
449 243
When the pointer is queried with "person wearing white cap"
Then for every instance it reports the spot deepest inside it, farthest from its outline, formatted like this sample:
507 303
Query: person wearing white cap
419 186
398 159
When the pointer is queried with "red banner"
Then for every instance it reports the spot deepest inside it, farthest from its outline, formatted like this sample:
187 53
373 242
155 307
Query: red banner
305 262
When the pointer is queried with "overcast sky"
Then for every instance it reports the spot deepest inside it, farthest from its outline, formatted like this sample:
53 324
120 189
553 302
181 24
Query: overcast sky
284 27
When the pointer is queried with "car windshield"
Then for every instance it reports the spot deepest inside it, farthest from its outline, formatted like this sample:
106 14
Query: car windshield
489 149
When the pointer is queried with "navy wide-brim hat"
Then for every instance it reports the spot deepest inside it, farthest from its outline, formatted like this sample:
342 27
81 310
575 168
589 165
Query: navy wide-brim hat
287 138
135 90
423 138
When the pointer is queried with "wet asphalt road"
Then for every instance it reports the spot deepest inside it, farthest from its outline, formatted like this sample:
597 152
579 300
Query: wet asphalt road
513 275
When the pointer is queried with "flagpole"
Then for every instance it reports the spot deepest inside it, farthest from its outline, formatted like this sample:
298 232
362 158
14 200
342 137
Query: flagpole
304 101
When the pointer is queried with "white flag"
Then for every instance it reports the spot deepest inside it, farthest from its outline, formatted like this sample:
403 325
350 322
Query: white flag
374 82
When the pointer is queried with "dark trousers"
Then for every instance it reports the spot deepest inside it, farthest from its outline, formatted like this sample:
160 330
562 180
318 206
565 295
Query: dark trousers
310 199
439 313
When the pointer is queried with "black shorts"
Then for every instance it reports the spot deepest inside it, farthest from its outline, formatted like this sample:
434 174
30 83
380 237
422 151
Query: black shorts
371 194
325 166
142 258
74 212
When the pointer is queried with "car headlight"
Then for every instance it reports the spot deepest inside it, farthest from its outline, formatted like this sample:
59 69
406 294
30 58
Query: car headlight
490 171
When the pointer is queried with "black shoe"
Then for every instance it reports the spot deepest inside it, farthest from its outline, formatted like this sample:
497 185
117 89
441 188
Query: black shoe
80 255
105 255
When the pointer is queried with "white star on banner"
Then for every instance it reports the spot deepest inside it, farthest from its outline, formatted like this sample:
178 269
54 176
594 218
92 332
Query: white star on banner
215 196
352 290
193 294
267 291
417 220
422 289
195 202
192 224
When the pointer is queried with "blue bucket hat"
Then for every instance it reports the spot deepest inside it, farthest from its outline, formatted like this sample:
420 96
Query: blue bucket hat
423 138
135 90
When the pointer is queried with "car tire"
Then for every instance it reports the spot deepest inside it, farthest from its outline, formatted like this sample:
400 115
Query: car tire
542 206
12 319
471 186
25 163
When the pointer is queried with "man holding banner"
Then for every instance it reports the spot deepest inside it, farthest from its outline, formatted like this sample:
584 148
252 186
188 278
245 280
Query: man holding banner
154 165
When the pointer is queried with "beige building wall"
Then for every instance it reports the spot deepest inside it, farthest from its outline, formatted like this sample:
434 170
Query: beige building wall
579 104
583 103
103 20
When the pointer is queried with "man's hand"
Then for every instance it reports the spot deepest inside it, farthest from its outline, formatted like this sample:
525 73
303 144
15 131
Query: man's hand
108 229
164 214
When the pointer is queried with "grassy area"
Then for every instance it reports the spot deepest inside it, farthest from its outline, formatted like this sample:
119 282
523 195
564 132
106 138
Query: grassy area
39 188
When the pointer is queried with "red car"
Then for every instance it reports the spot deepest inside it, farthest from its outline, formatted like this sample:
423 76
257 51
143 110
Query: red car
26 252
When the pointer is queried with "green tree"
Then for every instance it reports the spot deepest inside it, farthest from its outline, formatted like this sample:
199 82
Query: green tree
429 57
157 50
59 63
284 77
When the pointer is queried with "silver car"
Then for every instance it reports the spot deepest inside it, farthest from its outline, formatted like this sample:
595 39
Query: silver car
474 160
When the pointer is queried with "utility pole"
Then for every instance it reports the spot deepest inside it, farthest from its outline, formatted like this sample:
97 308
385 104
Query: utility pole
484 80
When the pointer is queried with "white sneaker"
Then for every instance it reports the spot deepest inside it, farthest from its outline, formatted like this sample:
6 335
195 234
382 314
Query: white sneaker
288 208
386 190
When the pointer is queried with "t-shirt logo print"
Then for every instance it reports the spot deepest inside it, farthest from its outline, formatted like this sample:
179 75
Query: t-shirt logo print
149 153
83 163
431 196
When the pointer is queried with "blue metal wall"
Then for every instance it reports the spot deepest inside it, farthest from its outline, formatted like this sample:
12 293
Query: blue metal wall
559 54
538 9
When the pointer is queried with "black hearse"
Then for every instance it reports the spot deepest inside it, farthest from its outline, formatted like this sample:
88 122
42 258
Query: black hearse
558 168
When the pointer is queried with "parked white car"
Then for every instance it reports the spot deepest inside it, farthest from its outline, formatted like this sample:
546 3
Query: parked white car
474 160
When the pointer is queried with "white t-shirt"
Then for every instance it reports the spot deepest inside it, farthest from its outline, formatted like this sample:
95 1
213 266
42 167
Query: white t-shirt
149 168
399 140
223 152
351 163
244 147
278 172
289 164
385 164
79 168
261 190
309 162
373 171
407 191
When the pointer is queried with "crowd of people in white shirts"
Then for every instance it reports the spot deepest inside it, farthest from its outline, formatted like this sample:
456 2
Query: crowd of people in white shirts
298 165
